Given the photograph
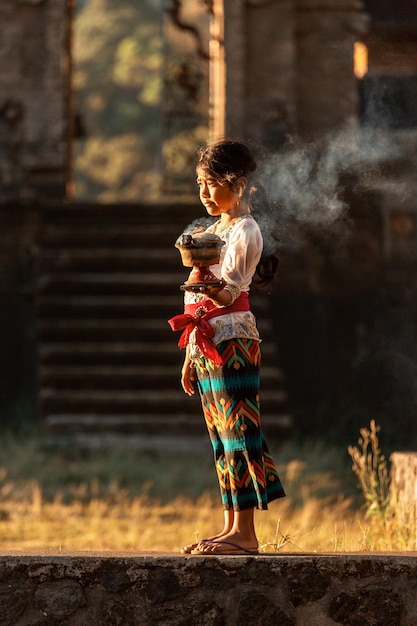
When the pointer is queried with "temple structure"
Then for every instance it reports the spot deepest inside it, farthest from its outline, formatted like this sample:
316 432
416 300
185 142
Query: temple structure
276 69
34 97
281 72
284 68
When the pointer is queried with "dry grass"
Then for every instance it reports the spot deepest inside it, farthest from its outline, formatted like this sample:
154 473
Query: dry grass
130 500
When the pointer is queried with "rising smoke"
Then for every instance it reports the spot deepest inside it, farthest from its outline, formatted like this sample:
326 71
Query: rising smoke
305 184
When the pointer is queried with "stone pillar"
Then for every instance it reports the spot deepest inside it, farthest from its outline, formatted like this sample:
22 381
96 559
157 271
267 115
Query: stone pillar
252 70
227 80
235 83
403 492
284 68
217 73
269 71
327 96
32 97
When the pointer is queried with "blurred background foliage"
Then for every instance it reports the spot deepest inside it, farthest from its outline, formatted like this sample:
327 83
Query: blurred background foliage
141 99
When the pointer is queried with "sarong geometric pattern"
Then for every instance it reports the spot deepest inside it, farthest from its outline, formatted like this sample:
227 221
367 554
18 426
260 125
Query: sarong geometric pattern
229 395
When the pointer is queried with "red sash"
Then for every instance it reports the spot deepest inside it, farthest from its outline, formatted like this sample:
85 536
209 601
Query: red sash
197 316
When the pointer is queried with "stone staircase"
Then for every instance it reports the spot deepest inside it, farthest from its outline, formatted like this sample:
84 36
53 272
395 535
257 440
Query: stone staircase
109 366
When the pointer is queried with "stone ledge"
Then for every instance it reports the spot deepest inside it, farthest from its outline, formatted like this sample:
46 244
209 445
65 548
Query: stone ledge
132 589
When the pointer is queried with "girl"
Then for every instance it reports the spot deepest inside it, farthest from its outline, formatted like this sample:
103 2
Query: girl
227 375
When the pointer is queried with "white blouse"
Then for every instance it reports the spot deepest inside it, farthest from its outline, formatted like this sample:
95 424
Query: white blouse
238 260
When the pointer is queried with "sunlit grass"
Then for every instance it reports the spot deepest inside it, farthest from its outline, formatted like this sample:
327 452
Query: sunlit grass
118 499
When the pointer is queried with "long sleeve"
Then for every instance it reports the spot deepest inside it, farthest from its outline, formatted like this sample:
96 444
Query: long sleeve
237 266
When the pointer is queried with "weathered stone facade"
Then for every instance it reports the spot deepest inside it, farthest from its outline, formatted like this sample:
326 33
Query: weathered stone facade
344 308
327 96
288 68
33 97
344 315
34 100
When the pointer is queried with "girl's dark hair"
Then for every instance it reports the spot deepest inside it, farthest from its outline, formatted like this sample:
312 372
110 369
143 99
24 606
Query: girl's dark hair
227 161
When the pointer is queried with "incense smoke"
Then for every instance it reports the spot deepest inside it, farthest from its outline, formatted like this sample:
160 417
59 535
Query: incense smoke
305 185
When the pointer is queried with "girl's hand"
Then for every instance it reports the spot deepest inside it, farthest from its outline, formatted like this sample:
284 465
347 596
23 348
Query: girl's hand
217 293
212 290
188 377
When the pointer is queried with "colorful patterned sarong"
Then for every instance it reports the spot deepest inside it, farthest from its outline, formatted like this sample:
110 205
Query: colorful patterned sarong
229 395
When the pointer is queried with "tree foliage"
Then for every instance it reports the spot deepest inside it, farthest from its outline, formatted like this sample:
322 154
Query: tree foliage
141 97
119 56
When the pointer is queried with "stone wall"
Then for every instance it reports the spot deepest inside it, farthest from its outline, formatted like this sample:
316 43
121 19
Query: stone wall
18 259
147 589
34 74
33 96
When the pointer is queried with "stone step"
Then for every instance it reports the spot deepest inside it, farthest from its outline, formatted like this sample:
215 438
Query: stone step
110 236
149 376
99 307
122 353
92 330
134 402
160 442
109 353
117 284
109 279
111 402
109 260
131 306
109 330
80 213
151 425
145 376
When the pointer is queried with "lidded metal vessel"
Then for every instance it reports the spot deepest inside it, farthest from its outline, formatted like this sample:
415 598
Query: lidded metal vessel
199 251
